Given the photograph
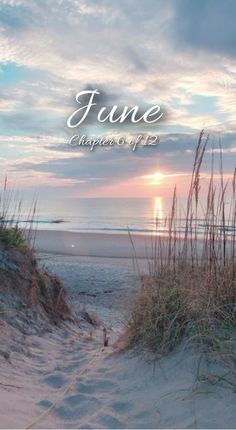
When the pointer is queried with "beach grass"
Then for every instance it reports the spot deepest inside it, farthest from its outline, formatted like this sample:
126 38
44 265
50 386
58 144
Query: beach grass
33 287
11 207
190 290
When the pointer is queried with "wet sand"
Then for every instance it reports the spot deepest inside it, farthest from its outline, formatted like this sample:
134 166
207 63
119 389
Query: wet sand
93 244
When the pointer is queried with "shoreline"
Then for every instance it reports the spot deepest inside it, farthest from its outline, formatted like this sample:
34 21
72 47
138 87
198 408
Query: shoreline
104 245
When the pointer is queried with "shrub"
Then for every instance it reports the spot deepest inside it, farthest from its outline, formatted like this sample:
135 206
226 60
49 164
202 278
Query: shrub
191 286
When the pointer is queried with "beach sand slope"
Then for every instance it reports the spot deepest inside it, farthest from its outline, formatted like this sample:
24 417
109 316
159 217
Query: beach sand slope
65 378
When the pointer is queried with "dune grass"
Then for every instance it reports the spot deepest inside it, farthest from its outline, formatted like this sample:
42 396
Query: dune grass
11 233
33 287
190 290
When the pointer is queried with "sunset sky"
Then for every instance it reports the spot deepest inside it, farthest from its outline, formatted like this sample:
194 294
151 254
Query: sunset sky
179 54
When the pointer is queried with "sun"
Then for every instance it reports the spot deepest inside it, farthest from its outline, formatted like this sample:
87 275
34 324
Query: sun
155 178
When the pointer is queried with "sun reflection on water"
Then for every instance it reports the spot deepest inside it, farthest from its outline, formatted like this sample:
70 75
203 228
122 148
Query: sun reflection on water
158 212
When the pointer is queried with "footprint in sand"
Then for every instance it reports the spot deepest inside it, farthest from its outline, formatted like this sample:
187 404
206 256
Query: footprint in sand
55 381
72 366
121 407
96 386
77 406
110 422
102 370
44 404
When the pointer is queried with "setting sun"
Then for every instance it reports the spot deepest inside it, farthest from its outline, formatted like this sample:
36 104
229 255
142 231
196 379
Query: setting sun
155 179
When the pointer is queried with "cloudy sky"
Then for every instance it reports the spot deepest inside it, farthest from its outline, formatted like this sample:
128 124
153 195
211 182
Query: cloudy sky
179 54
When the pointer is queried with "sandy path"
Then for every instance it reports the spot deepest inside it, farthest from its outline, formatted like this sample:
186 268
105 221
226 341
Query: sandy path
94 390
90 388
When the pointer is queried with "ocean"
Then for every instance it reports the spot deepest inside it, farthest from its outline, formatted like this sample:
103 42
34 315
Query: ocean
112 215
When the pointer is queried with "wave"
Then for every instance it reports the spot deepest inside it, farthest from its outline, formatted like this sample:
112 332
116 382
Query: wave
44 221
142 230
151 229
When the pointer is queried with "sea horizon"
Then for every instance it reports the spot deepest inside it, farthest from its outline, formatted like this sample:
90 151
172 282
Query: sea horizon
118 215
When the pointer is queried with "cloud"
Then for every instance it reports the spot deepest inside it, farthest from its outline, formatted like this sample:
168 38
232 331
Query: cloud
140 65
207 25
174 157
179 54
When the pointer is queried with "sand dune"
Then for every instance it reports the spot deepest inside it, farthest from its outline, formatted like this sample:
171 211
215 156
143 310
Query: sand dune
65 378
71 382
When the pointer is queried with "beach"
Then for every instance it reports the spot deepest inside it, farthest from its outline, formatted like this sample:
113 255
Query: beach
93 244
66 378
117 214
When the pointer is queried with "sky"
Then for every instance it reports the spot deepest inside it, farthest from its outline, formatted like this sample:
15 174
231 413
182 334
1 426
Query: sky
179 54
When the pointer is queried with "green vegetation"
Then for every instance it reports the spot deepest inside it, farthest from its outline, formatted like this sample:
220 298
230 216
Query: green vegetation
24 287
190 291
12 236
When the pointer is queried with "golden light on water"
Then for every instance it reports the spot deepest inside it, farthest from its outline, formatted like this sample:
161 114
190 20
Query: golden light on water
158 212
